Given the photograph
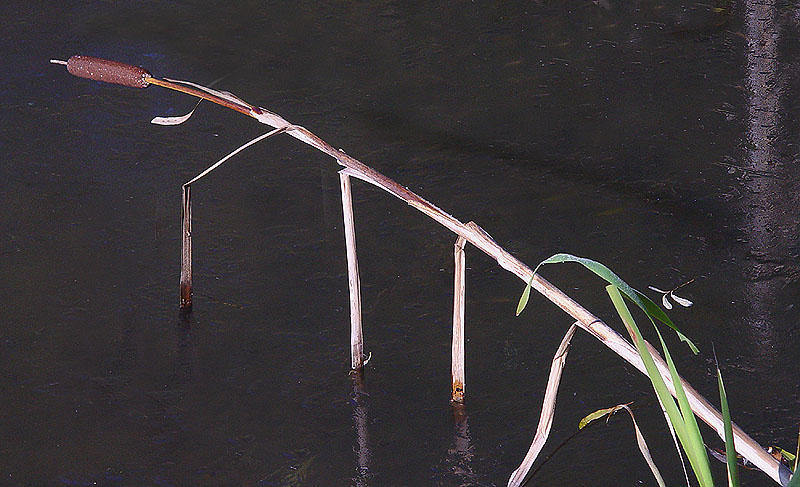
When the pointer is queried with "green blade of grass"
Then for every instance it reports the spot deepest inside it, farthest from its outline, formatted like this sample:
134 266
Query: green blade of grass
690 440
695 449
651 309
730 448
795 480
526 294
649 364
595 416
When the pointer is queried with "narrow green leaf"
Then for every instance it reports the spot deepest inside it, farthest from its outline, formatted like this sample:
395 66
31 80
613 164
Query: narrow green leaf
646 304
797 454
687 438
526 294
695 448
650 366
595 415
794 481
730 449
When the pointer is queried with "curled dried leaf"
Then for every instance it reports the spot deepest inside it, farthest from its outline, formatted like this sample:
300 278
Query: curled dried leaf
173 120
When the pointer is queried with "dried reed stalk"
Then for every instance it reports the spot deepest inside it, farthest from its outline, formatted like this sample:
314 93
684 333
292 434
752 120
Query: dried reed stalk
186 214
457 369
474 234
99 69
186 248
353 279
548 410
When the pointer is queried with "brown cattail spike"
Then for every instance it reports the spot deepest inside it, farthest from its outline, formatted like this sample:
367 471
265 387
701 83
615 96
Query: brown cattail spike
108 71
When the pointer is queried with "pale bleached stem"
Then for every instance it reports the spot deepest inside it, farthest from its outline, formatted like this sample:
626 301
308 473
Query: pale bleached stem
353 279
186 249
548 410
186 221
234 152
459 303
475 235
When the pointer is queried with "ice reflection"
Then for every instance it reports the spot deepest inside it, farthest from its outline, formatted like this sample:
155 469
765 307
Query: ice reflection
456 466
762 221
360 422
460 456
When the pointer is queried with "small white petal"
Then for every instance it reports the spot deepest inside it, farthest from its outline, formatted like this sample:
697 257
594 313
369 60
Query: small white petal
666 302
682 301
653 288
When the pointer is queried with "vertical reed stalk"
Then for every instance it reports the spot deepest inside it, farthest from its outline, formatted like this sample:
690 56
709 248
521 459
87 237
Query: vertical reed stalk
459 293
186 241
186 250
353 279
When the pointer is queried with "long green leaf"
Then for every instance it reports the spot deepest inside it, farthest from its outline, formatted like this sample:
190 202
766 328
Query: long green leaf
730 448
650 366
652 310
687 438
795 480
695 449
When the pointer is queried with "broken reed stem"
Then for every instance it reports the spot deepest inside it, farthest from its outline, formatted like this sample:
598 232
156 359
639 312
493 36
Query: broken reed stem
186 217
474 234
353 279
548 410
459 298
186 249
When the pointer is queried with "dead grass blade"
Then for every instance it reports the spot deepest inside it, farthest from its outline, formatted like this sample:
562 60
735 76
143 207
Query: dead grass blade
548 410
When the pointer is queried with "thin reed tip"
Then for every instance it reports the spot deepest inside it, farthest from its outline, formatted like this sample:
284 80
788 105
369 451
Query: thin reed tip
58 61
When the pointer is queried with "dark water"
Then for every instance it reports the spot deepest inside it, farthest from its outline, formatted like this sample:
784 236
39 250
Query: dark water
658 138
